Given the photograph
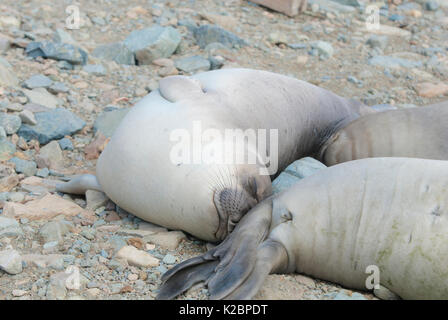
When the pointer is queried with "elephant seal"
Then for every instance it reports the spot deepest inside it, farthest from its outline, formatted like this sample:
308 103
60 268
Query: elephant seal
391 213
139 171
415 133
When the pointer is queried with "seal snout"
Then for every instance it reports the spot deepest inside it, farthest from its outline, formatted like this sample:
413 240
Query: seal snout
231 204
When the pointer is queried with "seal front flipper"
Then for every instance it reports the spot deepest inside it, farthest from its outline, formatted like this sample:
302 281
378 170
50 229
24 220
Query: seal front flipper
80 184
175 88
227 266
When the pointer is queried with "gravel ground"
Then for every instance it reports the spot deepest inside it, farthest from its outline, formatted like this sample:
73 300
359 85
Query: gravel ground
113 254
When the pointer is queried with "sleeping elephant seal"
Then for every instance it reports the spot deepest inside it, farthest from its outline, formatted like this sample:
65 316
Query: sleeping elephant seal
142 172
415 133
391 213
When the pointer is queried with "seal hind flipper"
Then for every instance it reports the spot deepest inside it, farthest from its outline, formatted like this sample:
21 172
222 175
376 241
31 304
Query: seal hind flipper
175 88
80 184
233 260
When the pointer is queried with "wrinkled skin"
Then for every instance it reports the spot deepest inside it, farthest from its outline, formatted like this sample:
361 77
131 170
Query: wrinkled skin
387 212
415 133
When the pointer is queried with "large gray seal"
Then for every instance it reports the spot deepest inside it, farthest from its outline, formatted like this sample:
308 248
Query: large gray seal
136 170
415 133
336 225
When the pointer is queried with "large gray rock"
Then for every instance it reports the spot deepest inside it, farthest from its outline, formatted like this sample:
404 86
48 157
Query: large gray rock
153 43
9 227
207 34
117 52
41 97
295 172
108 121
57 51
52 125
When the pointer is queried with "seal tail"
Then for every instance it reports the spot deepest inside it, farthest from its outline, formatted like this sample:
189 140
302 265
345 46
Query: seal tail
80 184
234 269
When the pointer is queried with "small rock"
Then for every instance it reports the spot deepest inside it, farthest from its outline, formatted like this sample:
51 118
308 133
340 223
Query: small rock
95 69
431 90
58 87
132 277
45 208
94 149
52 125
27 167
137 257
9 228
50 156
376 41
153 43
393 62
9 182
169 259
27 117
193 64
296 171
167 240
324 49
37 81
95 199
431 5
11 123
10 261
207 34
57 51
117 52
88 233
41 97
55 231
18 293
8 76
66 144
43 173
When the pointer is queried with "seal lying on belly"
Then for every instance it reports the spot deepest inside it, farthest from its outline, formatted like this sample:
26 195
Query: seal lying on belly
415 133
139 171
386 212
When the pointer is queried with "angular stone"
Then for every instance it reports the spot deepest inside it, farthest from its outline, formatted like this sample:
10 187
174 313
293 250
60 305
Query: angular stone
55 230
27 167
137 258
295 172
27 117
45 208
431 90
10 122
41 97
37 81
52 125
153 43
117 52
167 240
288 7
207 34
9 228
95 199
57 51
50 156
193 64
10 261
9 182
7 149
8 77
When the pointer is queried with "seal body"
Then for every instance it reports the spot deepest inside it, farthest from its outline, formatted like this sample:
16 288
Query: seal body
140 169
415 132
391 213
